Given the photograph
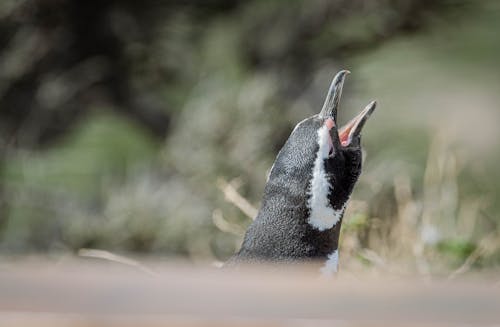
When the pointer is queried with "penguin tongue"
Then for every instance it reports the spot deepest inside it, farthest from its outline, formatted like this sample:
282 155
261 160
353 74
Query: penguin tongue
354 127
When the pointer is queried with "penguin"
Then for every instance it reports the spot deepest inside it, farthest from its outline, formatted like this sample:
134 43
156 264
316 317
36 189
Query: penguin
307 190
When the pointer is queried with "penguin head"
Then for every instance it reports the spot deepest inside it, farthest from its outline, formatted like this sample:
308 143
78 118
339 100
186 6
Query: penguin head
321 158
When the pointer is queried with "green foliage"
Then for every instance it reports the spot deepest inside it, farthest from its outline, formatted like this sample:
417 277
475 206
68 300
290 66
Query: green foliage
456 248
103 146
47 187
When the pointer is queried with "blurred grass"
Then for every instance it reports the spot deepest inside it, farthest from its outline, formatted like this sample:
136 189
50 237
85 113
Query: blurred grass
426 202
103 145
47 187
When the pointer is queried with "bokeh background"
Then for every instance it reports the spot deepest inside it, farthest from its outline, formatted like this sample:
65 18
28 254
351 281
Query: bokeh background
148 127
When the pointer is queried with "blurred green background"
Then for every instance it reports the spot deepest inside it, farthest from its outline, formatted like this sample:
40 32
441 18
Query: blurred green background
123 122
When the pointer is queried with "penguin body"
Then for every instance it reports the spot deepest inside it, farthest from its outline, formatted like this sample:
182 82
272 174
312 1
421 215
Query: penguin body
307 189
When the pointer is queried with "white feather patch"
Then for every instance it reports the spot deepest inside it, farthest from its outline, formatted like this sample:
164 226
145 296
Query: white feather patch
322 215
331 265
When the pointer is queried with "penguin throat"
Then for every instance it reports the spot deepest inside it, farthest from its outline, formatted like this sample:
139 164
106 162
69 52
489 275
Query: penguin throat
322 215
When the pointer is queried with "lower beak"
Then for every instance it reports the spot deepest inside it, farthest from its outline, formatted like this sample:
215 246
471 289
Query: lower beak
352 130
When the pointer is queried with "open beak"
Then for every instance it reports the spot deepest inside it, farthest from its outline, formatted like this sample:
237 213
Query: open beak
352 129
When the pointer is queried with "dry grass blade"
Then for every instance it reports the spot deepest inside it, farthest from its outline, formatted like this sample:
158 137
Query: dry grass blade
233 196
106 255
222 224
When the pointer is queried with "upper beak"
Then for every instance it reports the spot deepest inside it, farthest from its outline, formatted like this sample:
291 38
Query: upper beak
352 129
333 97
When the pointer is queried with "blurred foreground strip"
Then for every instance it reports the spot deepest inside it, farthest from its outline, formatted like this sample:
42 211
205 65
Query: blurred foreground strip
90 294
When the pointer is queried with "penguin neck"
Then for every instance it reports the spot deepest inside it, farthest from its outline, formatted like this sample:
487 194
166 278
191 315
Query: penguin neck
314 223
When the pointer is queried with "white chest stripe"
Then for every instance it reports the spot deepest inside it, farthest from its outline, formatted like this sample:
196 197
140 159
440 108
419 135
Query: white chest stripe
322 215
331 265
